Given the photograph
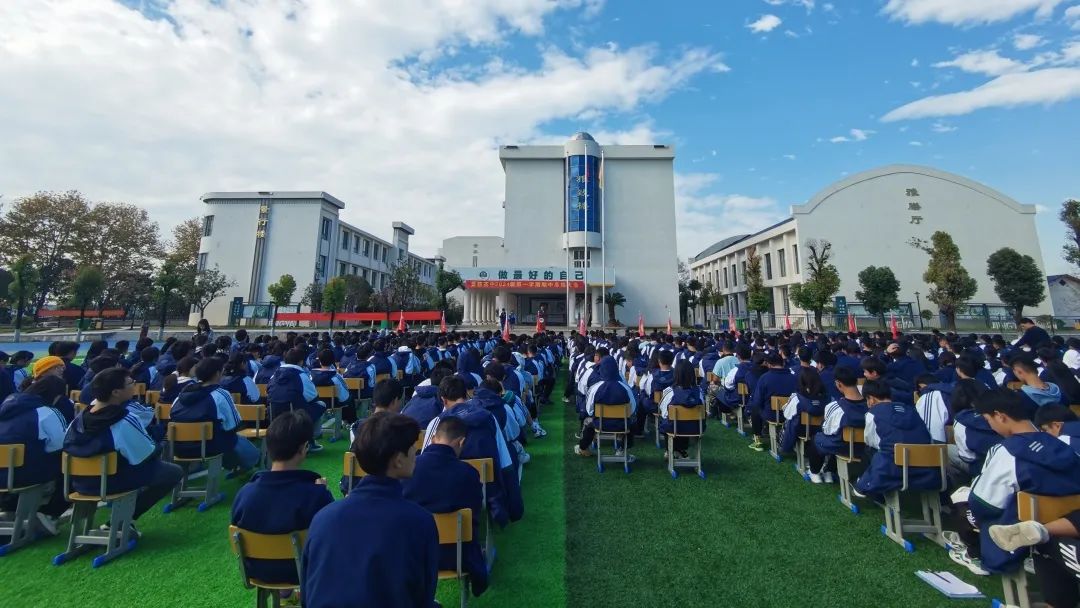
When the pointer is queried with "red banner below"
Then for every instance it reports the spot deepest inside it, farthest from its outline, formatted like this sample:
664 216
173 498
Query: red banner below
423 315
485 284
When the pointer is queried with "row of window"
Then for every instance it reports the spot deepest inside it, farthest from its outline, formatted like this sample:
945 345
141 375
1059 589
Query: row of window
767 259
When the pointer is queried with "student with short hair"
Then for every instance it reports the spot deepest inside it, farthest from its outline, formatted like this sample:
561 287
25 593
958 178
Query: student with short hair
442 483
291 388
1060 422
17 367
283 499
1036 391
847 412
235 379
73 374
425 404
888 423
374 548
810 397
144 370
874 369
326 374
207 401
107 426
972 435
685 392
777 381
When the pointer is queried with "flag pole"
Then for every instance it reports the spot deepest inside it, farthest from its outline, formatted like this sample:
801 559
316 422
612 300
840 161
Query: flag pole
588 305
566 231
603 245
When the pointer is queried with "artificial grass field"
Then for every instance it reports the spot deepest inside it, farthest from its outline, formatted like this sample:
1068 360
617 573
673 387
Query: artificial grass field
751 534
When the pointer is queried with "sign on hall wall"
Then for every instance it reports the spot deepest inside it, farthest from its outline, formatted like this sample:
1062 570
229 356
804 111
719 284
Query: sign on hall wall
523 277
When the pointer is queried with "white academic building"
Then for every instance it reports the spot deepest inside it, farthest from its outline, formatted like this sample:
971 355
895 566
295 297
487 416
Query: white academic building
256 237
870 219
579 218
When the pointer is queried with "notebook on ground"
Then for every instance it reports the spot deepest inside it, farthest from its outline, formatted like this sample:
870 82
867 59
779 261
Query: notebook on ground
949 584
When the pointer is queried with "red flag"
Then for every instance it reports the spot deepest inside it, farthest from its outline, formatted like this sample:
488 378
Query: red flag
641 325
539 325
669 325
851 324
892 325
506 330
787 322
581 325
401 322
442 322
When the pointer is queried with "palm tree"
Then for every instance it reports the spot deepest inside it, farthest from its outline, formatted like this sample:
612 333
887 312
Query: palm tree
612 299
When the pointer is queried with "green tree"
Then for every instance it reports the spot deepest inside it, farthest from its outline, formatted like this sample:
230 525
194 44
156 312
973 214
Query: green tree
1017 280
23 286
758 297
879 291
613 299
312 297
187 239
333 297
168 282
445 282
281 294
693 287
209 285
822 282
134 292
1070 216
705 298
125 238
87 287
951 285
357 293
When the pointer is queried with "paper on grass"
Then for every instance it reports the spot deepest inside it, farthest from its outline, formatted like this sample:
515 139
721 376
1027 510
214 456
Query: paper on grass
949 584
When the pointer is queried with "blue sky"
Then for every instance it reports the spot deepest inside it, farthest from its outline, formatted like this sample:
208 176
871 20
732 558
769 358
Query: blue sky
398 107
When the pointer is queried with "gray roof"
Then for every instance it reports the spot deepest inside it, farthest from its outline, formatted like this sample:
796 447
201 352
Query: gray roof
728 242
581 135
292 195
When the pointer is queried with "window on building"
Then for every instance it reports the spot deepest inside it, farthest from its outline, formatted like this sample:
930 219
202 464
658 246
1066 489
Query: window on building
795 257
743 269
781 259
364 273
202 261
382 280
384 254
207 225
326 229
356 243
355 270
320 269
344 239
734 276
342 267
725 277
375 251
768 267
474 261
400 254
367 248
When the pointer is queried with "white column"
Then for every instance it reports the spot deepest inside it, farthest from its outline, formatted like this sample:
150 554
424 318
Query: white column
595 309
467 305
491 308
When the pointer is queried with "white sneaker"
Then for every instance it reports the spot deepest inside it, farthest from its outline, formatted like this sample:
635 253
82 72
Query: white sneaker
524 457
953 540
49 524
828 477
974 565
1029 566
1023 534
815 478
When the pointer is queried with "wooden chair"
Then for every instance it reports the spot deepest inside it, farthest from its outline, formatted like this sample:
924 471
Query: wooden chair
486 468
400 375
657 397
140 391
23 528
806 424
119 538
1075 409
1014 385
380 377
251 545
619 412
201 432
80 407
1043 509
456 529
328 395
776 422
162 415
853 437
74 395
351 470
236 398
152 398
740 410
908 456
355 385
262 390
677 414
255 414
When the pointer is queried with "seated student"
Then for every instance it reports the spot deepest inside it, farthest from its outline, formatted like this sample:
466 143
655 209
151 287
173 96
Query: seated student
1060 422
425 404
684 392
655 381
933 405
1056 372
972 435
852 357
270 364
778 381
104 360
1055 561
177 381
384 364
888 423
410 365
17 366
73 374
44 368
326 374
729 397
374 548
442 483
1037 392
609 390
31 419
484 439
283 499
107 426
386 397
946 373
826 367
7 384
291 388
1028 460
207 401
874 369
810 397
96 348
506 407
144 371
235 379
847 412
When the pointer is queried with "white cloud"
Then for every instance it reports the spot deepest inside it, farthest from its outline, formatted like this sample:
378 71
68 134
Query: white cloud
915 63
853 135
942 127
320 95
1024 42
966 12
790 156
917 144
1048 86
1072 16
764 24
807 4
704 217
989 63
839 139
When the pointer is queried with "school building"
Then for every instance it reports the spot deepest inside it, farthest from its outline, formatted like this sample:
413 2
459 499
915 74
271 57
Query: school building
581 220
871 219
255 237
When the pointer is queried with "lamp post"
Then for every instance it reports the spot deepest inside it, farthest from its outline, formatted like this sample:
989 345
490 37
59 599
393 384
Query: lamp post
918 304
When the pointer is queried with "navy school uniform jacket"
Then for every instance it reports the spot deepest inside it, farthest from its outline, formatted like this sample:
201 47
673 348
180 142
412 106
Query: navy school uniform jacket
441 483
207 403
278 502
409 364
888 424
112 429
146 374
73 375
166 364
244 385
655 382
362 369
828 378
424 406
610 389
291 386
373 549
974 438
330 377
1070 434
484 439
170 395
40 427
383 364
934 407
469 370
270 364
731 396
849 361
1034 462
685 397
7 383
793 426
903 371
706 364
946 375
773 383
840 414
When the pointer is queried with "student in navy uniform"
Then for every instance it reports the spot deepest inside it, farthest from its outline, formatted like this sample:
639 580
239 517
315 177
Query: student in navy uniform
374 548
1060 422
655 381
178 380
972 435
7 381
1033 336
73 374
326 374
291 388
425 404
1036 391
107 426
144 371
17 366
847 412
778 381
810 397
609 390
684 392
902 370
206 401
269 364
235 379
31 418
410 366
442 483
736 375
888 423
285 498
386 398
